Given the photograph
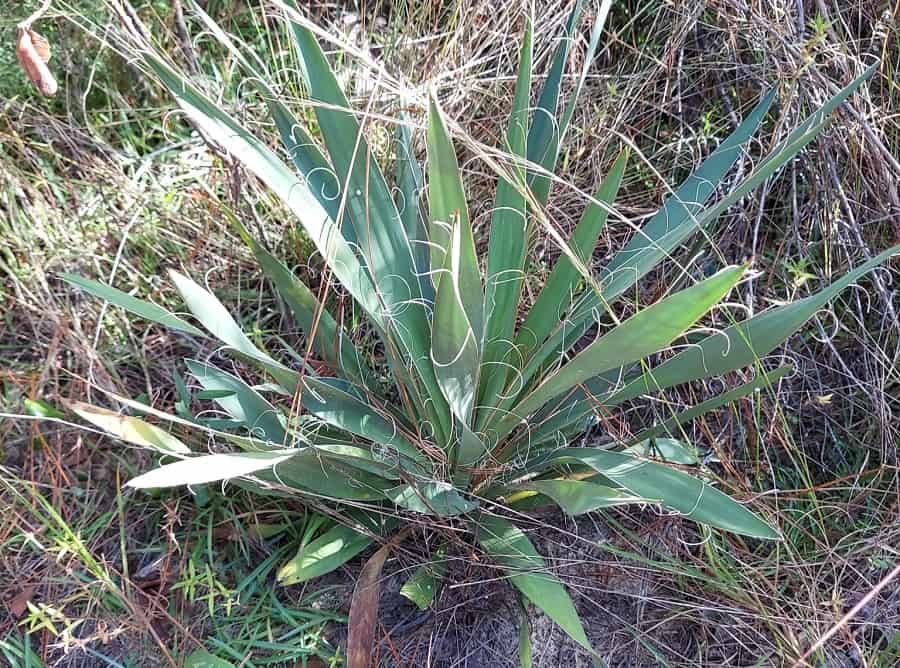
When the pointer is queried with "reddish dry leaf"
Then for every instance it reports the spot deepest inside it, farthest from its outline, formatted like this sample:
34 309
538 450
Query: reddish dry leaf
364 611
19 604
33 52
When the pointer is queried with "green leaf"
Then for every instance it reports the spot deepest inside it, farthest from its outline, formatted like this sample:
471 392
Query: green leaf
744 343
203 659
41 408
643 334
670 426
331 550
330 400
314 471
379 231
242 402
456 334
410 185
139 307
266 166
130 429
210 468
557 294
577 497
330 342
431 498
678 491
658 238
508 240
424 584
446 197
666 449
647 249
507 545
544 134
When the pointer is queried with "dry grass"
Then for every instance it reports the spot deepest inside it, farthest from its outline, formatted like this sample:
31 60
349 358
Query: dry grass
106 189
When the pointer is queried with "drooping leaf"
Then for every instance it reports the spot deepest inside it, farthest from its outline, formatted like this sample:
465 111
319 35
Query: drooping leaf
577 497
329 551
431 498
364 611
678 491
130 429
644 333
241 402
210 468
424 584
508 546
139 307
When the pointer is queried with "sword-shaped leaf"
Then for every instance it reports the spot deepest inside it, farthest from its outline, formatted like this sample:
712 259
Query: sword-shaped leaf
210 468
644 333
507 545
244 403
677 490
141 308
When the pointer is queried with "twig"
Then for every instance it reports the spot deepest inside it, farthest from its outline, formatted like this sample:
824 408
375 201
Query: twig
846 618
38 13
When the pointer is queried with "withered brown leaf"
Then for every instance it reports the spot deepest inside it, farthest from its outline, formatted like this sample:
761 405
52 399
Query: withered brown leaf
33 52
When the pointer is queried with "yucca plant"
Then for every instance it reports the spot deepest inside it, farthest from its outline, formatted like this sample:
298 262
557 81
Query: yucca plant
482 410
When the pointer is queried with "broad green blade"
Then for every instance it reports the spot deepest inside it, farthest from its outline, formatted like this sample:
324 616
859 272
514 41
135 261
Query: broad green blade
446 197
204 659
556 297
431 498
678 491
375 224
213 315
543 136
507 243
670 426
369 459
645 253
210 468
265 165
659 237
331 342
456 337
317 173
139 307
380 235
644 333
577 497
329 400
410 186
261 418
130 429
314 471
665 449
508 546
744 343
332 549
424 584
541 182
